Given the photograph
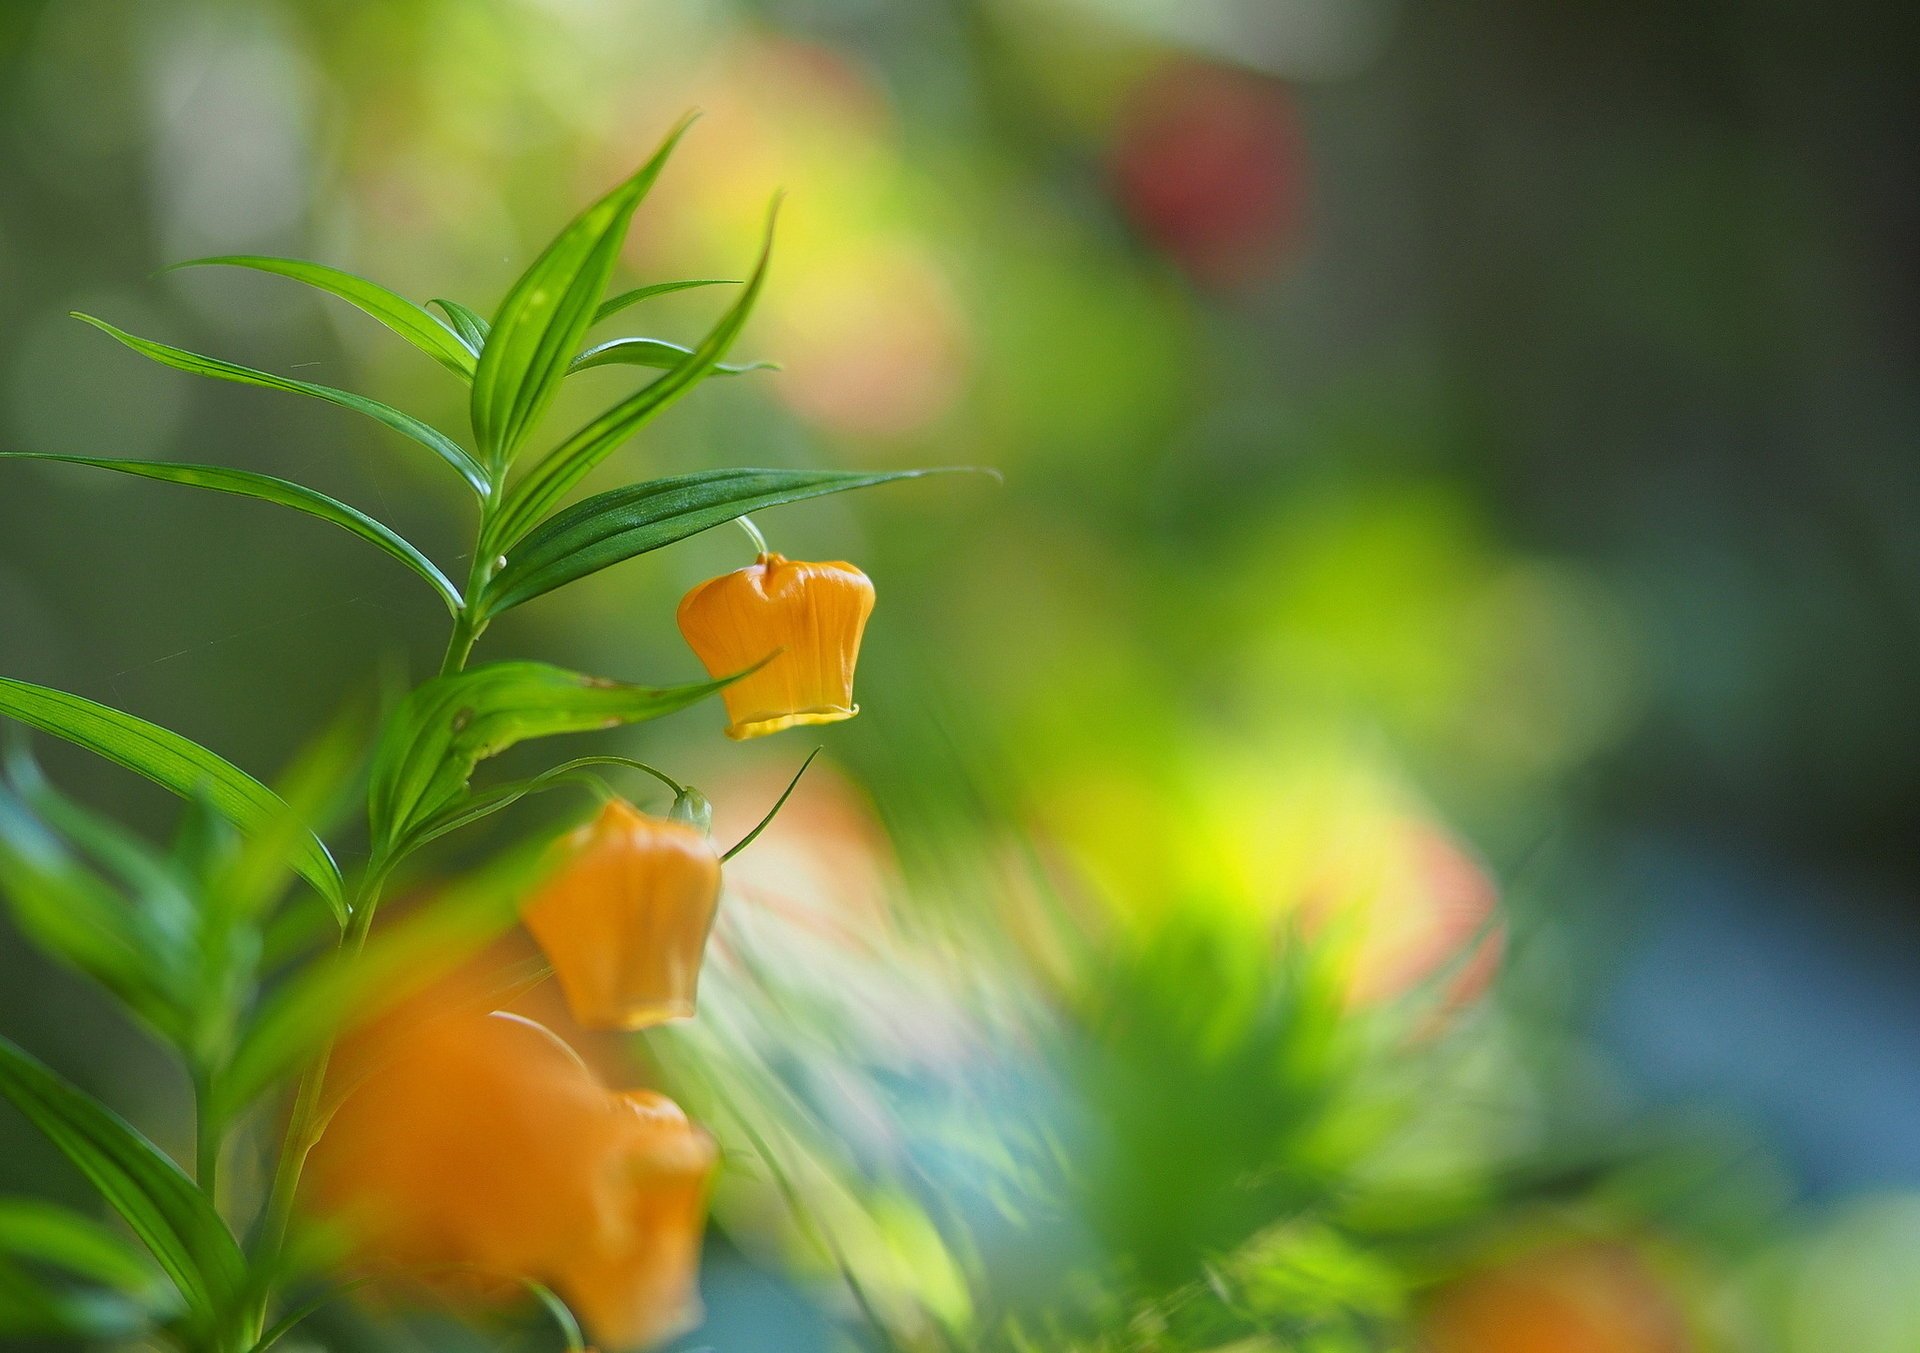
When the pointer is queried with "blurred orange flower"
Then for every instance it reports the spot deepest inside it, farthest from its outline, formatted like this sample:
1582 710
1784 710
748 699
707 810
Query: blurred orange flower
803 620
625 916
1574 1298
475 1148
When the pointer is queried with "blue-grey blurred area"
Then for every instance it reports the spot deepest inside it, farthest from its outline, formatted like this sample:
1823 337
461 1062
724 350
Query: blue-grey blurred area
1490 423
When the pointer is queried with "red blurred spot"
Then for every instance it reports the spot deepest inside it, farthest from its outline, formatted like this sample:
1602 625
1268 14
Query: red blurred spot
1211 166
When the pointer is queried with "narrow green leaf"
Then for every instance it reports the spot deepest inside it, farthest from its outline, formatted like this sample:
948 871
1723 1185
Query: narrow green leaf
486 802
74 917
166 1211
320 783
470 326
140 869
452 723
543 488
433 940
609 308
31 1309
172 761
48 1233
621 523
269 489
415 323
654 352
548 312
405 424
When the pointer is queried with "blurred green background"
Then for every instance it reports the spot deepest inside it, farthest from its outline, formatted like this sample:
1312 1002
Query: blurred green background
1490 416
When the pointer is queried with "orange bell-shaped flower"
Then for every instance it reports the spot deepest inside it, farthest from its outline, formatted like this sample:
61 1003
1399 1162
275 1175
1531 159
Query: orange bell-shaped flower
476 1149
639 1288
801 621
625 916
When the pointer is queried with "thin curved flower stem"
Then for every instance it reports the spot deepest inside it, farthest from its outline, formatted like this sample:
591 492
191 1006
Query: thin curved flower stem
774 811
745 523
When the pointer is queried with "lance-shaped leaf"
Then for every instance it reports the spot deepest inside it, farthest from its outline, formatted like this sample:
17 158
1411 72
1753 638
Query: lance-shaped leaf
548 482
452 723
174 1219
435 939
470 326
415 323
621 523
269 489
657 353
548 312
73 916
174 762
484 803
32 1309
48 1233
405 424
615 304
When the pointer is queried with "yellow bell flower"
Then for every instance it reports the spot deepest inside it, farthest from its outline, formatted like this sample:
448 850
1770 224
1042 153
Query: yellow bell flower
625 916
801 621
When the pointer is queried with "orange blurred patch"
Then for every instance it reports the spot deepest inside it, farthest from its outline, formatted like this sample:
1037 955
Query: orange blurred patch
474 1147
1577 1298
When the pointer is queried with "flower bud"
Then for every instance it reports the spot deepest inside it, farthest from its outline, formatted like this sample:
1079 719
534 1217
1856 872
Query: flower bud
802 622
625 916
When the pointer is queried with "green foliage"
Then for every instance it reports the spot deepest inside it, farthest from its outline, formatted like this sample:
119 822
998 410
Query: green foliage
615 304
470 326
405 424
654 352
300 1018
172 761
268 489
124 1292
138 944
209 943
544 487
48 1233
454 722
412 322
621 523
174 1219
548 313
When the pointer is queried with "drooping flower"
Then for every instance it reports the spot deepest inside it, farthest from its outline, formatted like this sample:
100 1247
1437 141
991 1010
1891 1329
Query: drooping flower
625 916
475 1149
801 621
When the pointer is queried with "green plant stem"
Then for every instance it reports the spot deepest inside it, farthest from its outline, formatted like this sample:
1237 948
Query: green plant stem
460 643
468 622
303 1122
209 1132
